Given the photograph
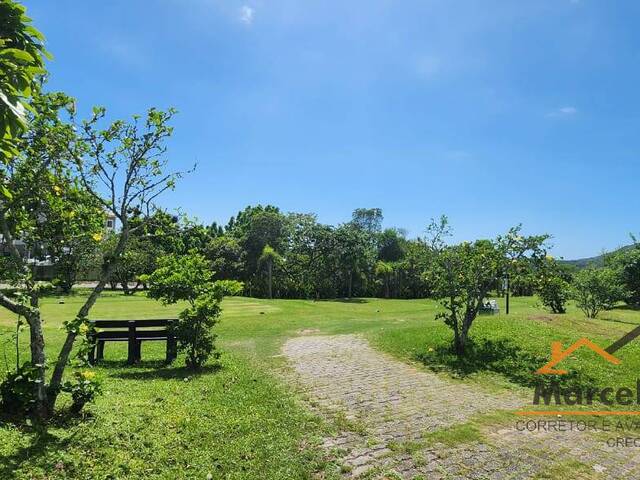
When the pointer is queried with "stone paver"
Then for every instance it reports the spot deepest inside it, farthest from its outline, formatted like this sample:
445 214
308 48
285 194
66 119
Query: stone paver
386 403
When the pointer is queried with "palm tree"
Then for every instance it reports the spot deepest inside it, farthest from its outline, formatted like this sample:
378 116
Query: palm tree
268 258
384 270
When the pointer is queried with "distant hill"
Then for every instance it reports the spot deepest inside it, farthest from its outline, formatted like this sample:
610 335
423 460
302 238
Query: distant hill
595 261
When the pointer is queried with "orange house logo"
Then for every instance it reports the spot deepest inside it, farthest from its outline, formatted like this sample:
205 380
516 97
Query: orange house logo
558 355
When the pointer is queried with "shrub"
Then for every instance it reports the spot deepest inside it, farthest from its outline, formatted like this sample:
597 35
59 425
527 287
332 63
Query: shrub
554 292
189 278
596 289
229 288
83 390
194 330
626 263
17 391
552 286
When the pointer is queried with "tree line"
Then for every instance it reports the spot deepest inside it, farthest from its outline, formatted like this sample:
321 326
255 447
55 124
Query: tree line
292 255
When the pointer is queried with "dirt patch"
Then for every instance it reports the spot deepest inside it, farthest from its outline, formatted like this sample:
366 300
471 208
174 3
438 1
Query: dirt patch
308 331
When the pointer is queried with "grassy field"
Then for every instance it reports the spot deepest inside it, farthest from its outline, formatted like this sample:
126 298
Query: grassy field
241 420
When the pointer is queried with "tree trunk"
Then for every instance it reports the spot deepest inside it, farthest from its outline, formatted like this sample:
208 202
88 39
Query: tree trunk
458 343
350 284
63 357
38 359
270 279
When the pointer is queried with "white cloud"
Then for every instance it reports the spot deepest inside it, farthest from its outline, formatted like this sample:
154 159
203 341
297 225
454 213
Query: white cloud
563 112
246 14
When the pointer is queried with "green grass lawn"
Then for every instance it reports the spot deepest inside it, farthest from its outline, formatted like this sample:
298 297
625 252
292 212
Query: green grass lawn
241 420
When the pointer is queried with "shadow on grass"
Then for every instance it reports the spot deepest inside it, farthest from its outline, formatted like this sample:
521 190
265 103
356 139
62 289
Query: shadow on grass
500 356
633 308
344 300
42 443
166 372
63 418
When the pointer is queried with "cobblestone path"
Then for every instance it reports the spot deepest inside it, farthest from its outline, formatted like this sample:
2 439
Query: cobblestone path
387 407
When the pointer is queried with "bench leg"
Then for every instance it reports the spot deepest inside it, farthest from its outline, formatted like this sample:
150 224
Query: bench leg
131 354
132 344
171 349
138 350
100 350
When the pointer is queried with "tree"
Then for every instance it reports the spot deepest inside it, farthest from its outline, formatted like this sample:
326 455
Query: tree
368 219
384 270
596 289
254 228
552 285
391 243
355 254
125 160
268 259
79 257
189 278
138 259
626 264
225 254
309 264
22 57
463 275
45 210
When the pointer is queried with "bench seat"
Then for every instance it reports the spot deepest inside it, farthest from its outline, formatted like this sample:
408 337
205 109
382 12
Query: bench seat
134 332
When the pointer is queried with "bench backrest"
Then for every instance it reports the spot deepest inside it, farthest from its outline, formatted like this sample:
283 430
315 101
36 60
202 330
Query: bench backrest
160 322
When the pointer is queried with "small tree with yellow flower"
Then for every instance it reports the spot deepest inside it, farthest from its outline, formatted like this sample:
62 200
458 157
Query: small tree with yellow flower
463 275
67 175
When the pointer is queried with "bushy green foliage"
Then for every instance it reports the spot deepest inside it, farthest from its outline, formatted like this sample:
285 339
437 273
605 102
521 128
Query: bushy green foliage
463 275
554 291
84 388
626 264
313 260
189 278
180 277
225 254
596 289
500 356
229 288
21 63
552 286
194 330
18 390
384 270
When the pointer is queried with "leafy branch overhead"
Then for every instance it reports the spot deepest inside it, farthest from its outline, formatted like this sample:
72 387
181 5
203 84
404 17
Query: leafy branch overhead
22 55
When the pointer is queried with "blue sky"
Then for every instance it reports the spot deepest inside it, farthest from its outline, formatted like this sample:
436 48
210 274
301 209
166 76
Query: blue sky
494 113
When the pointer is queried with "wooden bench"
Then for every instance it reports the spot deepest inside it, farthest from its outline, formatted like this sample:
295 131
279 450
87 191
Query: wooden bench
134 332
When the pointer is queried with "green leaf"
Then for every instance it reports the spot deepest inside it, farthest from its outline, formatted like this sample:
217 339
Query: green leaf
4 191
17 54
